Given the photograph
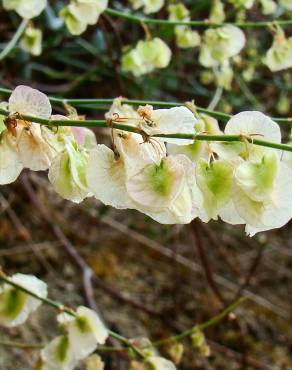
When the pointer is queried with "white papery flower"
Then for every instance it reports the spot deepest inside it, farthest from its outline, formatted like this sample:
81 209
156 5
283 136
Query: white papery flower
149 6
220 44
10 164
31 41
86 331
159 363
123 110
106 177
249 124
34 151
67 173
16 305
26 100
26 8
215 181
168 121
279 56
162 191
262 194
58 355
81 13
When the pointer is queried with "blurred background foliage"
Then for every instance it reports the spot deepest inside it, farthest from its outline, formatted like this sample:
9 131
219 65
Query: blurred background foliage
151 280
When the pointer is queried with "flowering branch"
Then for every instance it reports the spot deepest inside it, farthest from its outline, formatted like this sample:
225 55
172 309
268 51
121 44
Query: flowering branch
11 44
61 308
203 23
124 127
136 102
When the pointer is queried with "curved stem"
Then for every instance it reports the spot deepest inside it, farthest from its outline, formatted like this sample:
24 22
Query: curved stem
62 308
12 43
123 127
214 320
216 98
203 23
157 103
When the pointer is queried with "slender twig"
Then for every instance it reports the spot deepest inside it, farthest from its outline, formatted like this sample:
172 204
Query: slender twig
105 124
96 103
12 43
201 23
213 321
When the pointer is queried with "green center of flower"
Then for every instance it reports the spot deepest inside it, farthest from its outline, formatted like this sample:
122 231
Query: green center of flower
160 179
12 303
62 349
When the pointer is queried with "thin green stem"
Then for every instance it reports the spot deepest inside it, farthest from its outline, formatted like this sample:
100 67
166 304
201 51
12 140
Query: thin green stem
202 23
129 128
214 320
12 43
20 345
69 311
162 104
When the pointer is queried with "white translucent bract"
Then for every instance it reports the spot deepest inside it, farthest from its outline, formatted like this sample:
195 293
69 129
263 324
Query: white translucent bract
86 332
20 304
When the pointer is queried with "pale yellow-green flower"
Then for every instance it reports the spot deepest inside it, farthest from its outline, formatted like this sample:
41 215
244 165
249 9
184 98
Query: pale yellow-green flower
220 44
186 37
217 14
159 363
25 8
67 173
57 355
79 14
146 56
279 56
268 6
32 41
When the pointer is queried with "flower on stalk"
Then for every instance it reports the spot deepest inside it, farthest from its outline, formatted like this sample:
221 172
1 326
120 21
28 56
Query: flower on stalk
149 6
31 41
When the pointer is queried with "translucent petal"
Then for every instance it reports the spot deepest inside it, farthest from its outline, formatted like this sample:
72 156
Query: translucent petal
29 303
57 355
35 153
10 164
170 121
106 177
157 186
86 332
25 100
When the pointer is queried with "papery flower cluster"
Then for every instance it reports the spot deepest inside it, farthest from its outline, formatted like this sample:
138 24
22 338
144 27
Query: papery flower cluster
82 330
172 180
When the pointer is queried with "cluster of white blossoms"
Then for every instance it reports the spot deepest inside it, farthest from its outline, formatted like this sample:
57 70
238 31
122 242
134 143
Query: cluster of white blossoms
172 180
82 330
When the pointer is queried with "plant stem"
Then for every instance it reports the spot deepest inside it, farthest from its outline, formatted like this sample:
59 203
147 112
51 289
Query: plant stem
12 43
119 126
68 310
214 320
203 23
157 103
